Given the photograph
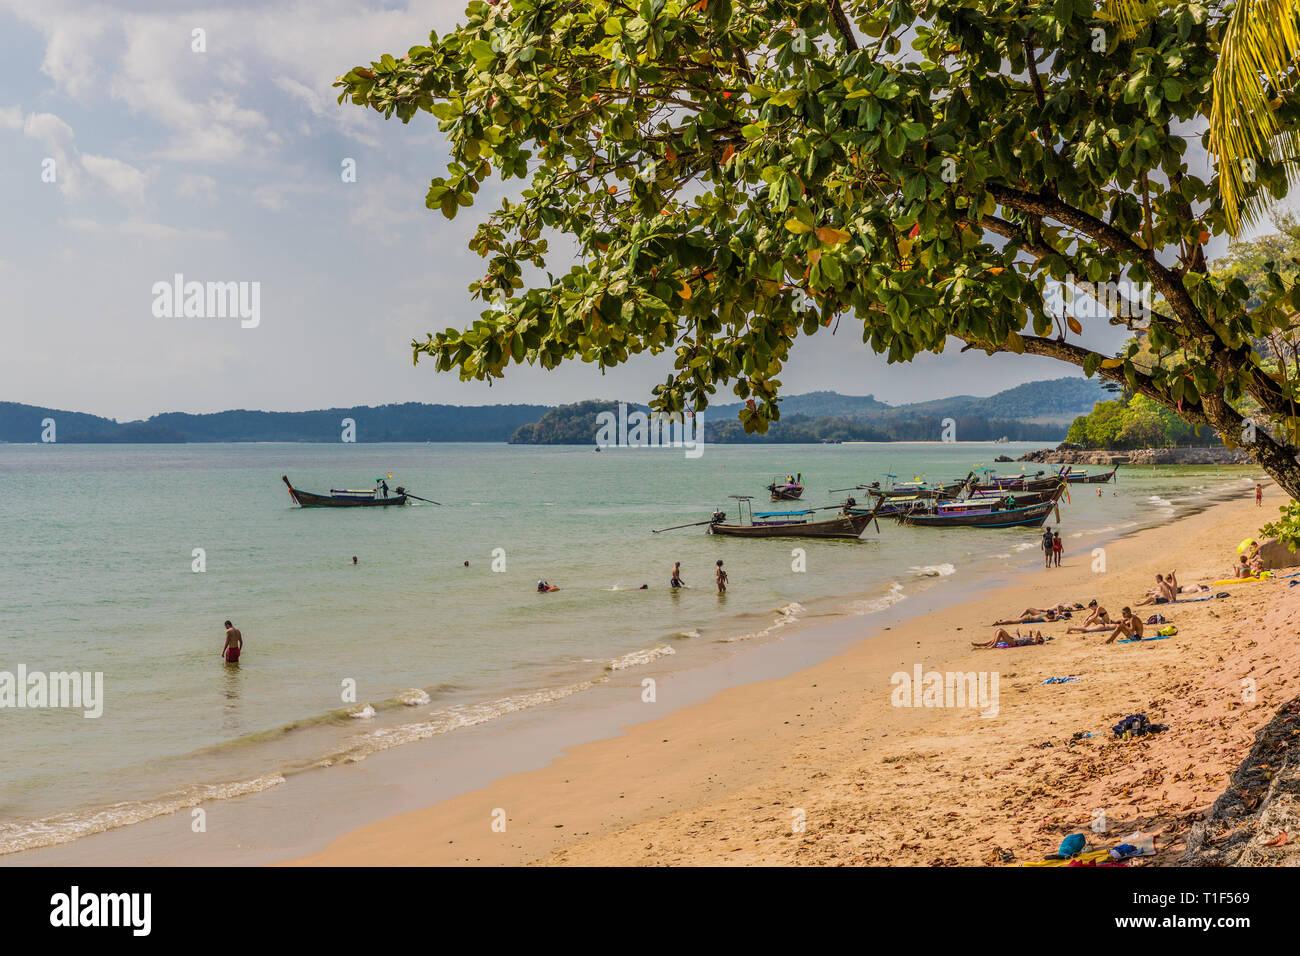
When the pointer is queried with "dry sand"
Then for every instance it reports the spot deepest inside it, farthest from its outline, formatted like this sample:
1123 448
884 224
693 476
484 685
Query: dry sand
726 781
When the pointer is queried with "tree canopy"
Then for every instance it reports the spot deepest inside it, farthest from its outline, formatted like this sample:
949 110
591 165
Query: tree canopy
730 175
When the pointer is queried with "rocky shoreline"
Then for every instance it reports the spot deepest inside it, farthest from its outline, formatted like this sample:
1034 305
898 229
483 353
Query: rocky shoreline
1209 455
1251 823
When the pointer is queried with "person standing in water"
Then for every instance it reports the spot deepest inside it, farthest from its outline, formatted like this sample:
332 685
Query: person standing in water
234 644
675 579
1056 548
722 578
1047 548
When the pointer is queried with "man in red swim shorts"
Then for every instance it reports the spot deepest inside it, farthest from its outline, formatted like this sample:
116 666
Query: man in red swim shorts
234 644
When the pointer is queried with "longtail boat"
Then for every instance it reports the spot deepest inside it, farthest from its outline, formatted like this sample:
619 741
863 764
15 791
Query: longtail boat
790 524
914 488
979 514
1081 478
787 487
343 497
1019 484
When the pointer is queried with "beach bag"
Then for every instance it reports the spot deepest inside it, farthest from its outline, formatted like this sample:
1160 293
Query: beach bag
1156 619
1073 845
1167 631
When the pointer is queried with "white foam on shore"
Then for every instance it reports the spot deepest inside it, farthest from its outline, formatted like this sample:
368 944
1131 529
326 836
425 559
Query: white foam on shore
414 697
786 615
66 827
1025 545
871 606
637 658
933 570
451 718
363 713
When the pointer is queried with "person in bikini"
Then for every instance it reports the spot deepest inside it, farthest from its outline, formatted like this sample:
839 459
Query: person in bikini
1032 615
234 644
1003 636
1057 548
1098 620
721 577
1130 625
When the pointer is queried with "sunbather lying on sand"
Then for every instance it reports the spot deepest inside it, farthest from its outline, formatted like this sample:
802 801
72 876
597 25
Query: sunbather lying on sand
1033 615
1003 636
1040 615
1130 625
1099 628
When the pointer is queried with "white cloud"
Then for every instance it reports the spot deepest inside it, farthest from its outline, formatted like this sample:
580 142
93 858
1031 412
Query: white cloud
140 229
11 117
122 179
197 186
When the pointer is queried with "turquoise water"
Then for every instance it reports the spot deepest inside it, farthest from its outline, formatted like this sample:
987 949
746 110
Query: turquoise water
96 574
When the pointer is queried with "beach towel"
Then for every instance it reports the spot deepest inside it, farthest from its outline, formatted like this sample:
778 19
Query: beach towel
1262 576
1142 640
1090 857
1060 680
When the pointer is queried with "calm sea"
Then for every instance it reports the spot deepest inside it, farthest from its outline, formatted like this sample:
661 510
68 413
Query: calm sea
97 574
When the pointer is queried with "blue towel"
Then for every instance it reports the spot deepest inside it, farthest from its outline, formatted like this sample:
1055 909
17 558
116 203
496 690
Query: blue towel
1143 640
1060 680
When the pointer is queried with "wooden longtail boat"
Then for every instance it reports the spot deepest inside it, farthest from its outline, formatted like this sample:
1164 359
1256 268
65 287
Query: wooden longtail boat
907 489
978 514
343 497
1080 478
786 488
790 524
897 507
1015 485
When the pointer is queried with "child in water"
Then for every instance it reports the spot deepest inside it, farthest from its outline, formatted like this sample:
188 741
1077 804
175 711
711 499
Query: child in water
722 578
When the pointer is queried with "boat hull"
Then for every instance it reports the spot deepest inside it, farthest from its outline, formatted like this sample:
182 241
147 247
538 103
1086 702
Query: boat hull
1099 479
848 526
1030 517
786 492
306 499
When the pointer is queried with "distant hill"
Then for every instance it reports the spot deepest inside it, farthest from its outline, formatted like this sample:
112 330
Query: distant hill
1036 411
409 422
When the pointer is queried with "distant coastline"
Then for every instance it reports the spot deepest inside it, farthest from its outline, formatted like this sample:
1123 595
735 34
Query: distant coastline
1035 412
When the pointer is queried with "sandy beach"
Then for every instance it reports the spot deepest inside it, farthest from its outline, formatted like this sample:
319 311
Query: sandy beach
821 767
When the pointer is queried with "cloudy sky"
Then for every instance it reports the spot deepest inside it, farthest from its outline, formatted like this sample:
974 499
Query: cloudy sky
225 165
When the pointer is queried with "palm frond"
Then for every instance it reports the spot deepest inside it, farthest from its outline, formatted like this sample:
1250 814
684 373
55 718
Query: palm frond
1127 15
1258 57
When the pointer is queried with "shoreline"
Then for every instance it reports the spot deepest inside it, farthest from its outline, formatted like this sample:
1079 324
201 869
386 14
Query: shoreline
721 781
269 826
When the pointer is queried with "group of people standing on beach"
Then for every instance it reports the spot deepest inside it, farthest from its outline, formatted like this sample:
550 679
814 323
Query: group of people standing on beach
1051 548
